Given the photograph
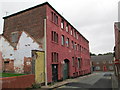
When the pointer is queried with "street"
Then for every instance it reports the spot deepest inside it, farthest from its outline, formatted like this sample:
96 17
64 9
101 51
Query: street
97 80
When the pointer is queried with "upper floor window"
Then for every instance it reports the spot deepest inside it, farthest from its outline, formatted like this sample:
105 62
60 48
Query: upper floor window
73 61
54 18
74 33
54 37
63 40
62 24
67 42
71 31
77 35
72 45
14 37
67 28
75 46
78 63
78 46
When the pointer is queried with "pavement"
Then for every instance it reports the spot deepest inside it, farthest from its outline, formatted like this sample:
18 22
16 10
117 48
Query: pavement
115 83
59 84
102 80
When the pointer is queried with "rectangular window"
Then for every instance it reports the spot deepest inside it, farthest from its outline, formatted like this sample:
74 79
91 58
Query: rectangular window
14 37
77 35
80 48
63 40
75 46
54 18
67 28
72 45
78 63
54 37
74 33
72 61
62 24
54 57
71 31
67 42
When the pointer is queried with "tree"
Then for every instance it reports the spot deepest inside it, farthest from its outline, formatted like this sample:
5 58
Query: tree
92 54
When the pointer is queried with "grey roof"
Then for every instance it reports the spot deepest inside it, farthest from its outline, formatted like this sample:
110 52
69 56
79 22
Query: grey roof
102 58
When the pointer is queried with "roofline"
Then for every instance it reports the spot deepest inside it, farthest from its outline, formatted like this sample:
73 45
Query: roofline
45 3
7 41
25 10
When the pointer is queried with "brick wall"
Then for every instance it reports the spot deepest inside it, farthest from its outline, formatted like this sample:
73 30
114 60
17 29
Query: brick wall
8 65
24 81
27 65
1 62
30 21
102 65
63 51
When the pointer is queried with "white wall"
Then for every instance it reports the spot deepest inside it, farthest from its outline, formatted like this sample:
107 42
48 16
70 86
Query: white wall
6 49
24 47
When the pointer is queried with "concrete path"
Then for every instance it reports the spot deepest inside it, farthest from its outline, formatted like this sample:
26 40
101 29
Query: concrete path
97 80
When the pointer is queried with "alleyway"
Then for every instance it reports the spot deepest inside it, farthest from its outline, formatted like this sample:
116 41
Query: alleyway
97 80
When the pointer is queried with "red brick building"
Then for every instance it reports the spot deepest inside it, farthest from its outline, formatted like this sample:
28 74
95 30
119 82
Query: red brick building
117 49
66 50
102 63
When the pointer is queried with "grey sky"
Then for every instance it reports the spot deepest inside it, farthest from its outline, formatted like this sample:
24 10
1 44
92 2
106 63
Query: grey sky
93 18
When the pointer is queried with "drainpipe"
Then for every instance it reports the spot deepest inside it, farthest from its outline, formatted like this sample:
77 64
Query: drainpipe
45 45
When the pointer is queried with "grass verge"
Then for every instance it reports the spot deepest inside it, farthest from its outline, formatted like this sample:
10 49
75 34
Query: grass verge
10 74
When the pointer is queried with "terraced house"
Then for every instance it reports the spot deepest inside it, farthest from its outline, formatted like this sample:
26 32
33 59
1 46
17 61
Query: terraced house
61 51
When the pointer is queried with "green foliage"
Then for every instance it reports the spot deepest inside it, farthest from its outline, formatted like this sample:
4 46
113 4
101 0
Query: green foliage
10 74
109 53
36 86
92 54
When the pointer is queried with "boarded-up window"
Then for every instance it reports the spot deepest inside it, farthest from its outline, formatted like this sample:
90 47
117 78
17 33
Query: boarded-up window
14 37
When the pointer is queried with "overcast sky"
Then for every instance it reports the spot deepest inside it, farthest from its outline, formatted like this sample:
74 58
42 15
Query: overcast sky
94 19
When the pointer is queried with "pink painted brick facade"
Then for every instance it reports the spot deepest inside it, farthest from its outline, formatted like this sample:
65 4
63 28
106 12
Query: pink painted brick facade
65 52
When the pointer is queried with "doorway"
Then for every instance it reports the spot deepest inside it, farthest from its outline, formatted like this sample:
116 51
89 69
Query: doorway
66 69
54 72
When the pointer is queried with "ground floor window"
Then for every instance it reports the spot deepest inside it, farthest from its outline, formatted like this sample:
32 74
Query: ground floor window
110 67
54 57
97 68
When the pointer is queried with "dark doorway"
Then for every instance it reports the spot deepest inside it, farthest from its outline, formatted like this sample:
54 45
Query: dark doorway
66 69
54 72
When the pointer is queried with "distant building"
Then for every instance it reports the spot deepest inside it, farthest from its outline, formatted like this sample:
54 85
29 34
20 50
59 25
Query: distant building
65 50
102 63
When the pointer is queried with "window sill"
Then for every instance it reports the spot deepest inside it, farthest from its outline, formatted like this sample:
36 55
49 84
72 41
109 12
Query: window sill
54 42
54 23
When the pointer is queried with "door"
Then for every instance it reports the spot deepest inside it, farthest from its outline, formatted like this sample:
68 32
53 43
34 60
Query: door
104 68
54 72
39 67
65 71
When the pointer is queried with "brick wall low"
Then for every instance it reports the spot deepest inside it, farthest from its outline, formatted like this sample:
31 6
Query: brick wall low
24 81
1 62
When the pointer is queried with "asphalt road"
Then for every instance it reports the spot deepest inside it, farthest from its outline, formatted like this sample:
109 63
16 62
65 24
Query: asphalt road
94 81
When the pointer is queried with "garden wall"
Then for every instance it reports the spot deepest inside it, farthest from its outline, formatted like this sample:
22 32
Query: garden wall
23 81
